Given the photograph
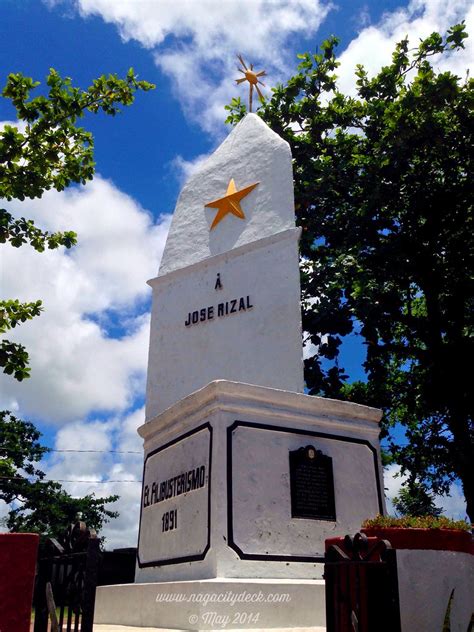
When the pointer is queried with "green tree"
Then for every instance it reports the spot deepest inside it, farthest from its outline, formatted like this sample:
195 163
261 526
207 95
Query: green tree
414 499
39 505
47 150
383 191
51 152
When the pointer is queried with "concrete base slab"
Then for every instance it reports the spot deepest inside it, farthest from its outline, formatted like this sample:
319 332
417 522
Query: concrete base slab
103 627
215 604
127 628
232 513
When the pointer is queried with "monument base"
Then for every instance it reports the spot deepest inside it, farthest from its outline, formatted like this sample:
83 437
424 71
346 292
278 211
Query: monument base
244 481
242 485
105 627
214 604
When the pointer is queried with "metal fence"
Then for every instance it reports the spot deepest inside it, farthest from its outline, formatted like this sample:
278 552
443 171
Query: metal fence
66 582
361 586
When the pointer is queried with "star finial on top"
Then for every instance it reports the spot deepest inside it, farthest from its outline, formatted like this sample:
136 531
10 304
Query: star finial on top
253 79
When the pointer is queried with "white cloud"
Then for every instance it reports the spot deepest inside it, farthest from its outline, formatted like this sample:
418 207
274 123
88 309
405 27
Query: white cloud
454 505
184 169
392 485
362 18
120 459
78 365
210 26
195 43
115 454
374 45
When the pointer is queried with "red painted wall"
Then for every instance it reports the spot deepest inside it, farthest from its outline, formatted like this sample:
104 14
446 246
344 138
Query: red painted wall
17 574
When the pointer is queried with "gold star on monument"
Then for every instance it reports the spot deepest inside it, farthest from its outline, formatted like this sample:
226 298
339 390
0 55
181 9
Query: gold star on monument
230 203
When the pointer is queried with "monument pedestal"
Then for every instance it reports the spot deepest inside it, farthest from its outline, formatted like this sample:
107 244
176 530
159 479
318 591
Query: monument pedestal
226 509
214 604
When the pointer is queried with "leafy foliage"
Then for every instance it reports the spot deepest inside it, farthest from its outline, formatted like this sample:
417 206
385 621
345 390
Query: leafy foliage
48 151
13 356
416 500
39 505
416 522
21 231
383 192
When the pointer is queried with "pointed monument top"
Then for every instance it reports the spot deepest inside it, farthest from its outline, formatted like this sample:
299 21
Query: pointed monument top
242 193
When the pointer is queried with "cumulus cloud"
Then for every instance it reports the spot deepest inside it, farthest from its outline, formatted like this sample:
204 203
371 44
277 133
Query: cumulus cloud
184 169
115 460
375 43
104 458
89 348
195 43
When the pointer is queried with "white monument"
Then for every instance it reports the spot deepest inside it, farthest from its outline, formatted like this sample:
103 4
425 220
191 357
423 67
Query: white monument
226 302
245 476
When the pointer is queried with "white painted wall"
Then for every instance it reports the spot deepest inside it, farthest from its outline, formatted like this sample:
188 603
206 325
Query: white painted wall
251 153
214 605
262 501
166 525
261 345
258 262
262 522
425 581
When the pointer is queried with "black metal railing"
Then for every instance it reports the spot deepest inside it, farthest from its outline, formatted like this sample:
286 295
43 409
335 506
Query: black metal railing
66 582
361 586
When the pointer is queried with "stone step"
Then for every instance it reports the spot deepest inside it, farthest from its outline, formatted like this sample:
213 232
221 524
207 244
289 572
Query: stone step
217 604
102 627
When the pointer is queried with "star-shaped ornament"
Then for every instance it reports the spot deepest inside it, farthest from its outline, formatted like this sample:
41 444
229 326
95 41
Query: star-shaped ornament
230 203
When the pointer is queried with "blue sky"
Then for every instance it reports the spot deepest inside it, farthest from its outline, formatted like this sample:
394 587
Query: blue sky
89 348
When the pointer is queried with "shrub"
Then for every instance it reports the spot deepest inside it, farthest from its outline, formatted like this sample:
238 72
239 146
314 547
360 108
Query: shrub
416 522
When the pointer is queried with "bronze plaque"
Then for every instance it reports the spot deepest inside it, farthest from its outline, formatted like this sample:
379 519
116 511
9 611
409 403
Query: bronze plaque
311 485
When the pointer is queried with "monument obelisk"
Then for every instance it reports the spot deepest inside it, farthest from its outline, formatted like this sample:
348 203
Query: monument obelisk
245 476
226 302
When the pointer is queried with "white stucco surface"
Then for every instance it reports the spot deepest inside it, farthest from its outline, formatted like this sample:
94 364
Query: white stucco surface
425 581
258 343
253 431
226 301
251 153
213 605
163 520
262 498
104 627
